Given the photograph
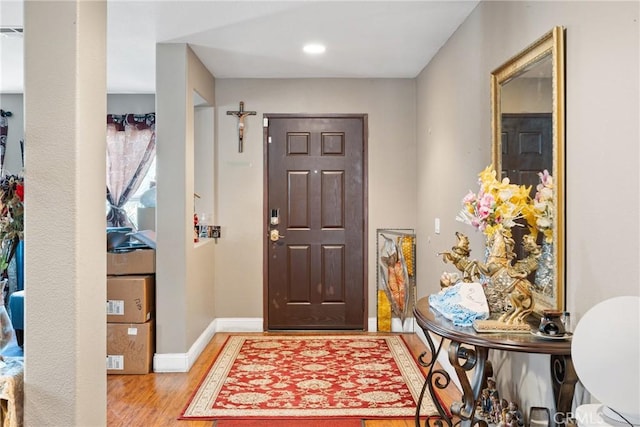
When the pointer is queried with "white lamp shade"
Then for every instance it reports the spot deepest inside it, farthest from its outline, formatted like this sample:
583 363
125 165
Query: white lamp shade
606 355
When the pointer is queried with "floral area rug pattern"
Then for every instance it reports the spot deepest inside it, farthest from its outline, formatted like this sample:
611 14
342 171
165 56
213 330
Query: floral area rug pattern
312 376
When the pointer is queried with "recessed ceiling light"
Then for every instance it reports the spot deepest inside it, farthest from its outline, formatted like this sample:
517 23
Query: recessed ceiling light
314 48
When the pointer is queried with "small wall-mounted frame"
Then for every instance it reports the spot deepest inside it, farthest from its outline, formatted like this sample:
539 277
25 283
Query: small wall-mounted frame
209 232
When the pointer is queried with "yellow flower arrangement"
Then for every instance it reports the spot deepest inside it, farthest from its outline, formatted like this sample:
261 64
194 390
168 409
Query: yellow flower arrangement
496 206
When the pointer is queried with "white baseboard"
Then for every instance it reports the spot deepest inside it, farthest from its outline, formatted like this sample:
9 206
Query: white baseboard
182 362
372 324
409 326
239 324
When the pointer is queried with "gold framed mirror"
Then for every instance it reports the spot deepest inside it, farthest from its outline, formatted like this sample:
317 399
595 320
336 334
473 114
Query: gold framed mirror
528 131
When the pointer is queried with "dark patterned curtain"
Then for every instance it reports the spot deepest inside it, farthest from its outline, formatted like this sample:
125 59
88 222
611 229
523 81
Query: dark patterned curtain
4 129
131 147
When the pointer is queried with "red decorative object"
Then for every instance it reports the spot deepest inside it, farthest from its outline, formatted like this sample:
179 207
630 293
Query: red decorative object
336 376
196 236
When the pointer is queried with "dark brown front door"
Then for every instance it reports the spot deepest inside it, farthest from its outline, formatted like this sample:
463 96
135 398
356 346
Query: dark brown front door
316 184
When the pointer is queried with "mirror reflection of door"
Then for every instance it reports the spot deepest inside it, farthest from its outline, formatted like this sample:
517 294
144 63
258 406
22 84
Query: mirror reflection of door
526 134
526 147
526 150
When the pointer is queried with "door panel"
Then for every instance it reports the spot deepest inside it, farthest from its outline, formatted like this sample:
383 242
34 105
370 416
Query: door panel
315 178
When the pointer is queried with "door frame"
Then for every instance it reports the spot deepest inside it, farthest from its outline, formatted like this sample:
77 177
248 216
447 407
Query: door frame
266 210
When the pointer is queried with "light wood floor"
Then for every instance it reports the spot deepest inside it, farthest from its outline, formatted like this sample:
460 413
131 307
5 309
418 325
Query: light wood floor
156 400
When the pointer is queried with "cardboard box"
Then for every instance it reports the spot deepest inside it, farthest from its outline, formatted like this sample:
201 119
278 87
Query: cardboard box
130 347
130 299
137 261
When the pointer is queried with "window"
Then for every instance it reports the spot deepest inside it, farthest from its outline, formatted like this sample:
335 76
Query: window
132 205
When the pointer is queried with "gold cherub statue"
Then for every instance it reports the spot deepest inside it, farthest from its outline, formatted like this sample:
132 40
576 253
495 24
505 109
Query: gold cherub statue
507 289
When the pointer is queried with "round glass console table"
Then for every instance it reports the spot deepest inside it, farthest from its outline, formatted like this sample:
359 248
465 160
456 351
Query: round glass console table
468 350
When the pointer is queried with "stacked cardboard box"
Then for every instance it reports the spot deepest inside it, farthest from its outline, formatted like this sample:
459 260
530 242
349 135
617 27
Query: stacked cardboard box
130 311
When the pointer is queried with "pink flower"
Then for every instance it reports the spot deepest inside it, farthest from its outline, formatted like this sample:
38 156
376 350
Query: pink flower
484 212
545 178
469 198
485 205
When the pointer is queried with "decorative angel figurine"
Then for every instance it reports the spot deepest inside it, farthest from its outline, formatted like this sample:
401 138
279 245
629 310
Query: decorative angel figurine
508 291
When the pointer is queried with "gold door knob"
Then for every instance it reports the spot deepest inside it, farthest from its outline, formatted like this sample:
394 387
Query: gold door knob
275 235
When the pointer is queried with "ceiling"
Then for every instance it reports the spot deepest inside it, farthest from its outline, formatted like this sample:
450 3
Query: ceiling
260 39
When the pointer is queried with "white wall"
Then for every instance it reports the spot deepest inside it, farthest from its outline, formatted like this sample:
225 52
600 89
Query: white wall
602 194
131 103
184 270
390 104
65 280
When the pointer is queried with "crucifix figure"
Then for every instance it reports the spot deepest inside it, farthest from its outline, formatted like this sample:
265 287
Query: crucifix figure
241 114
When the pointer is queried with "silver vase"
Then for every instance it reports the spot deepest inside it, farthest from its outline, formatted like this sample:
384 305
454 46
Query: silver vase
544 273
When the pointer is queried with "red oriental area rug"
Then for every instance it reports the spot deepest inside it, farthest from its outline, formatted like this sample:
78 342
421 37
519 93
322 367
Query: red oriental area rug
298 422
311 376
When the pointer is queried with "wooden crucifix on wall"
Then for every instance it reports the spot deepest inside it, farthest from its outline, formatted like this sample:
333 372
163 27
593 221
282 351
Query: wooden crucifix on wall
241 114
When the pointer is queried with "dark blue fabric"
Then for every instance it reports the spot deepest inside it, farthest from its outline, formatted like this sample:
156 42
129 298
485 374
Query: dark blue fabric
16 309
20 265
